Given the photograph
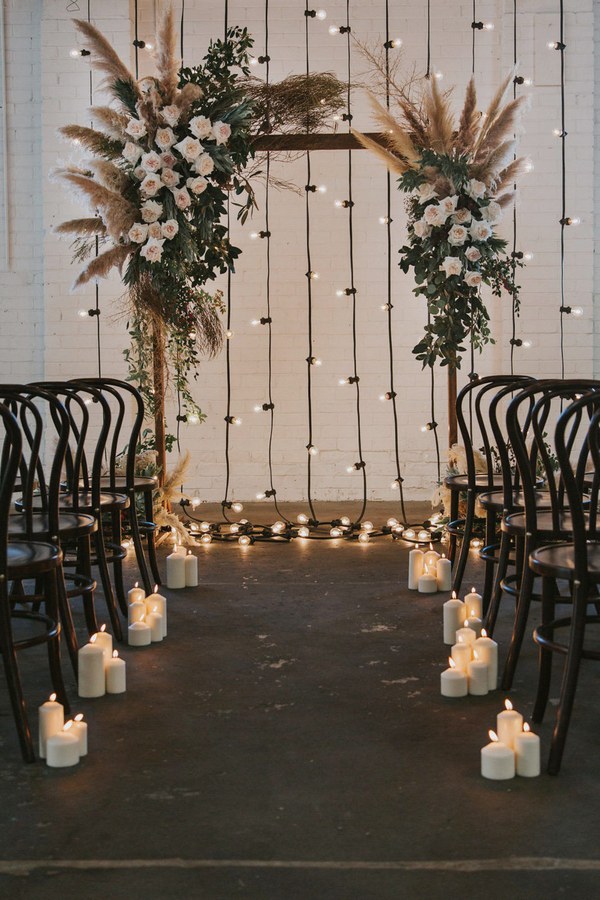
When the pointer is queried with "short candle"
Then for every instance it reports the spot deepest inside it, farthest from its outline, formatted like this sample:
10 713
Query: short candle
509 723
62 749
454 616
497 760
487 650
527 753
80 730
443 573
473 604
51 719
453 681
136 593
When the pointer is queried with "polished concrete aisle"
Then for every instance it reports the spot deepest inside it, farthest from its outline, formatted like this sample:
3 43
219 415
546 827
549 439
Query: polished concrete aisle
288 740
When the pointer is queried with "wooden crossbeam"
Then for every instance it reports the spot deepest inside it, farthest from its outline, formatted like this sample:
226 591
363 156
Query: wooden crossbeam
299 142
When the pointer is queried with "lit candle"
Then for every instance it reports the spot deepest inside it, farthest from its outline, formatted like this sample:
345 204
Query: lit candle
427 583
116 674
415 568
462 654
80 730
430 560
443 571
478 676
453 681
527 753
473 605
466 634
488 652
136 612
176 569
91 670
139 634
191 570
155 623
51 718
104 639
62 749
475 625
136 593
454 616
157 603
497 760
509 723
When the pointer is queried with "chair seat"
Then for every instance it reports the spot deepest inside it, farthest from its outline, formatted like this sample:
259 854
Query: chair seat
515 524
461 482
495 500
26 559
108 500
70 525
141 483
558 560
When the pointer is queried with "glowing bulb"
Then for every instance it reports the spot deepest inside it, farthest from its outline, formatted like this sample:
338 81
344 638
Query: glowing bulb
363 537
82 313
343 381
345 521
527 345
313 450
528 82
204 526
397 42
384 220
552 45
321 14
423 536
74 53
253 61
577 311
336 118
438 75
206 539
556 132
409 533
335 532
243 521
303 531
236 421
278 527
261 496
234 528
350 469
529 166
339 293
574 220
253 235
322 189
244 540
196 502
367 526
528 256
229 334
398 529
258 409
237 507
334 29
338 204
392 522
193 527
317 362
475 543
489 26
314 276
425 428
193 419
302 519
395 485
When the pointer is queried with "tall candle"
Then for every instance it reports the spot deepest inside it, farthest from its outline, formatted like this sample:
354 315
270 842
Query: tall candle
475 625
139 634
191 570
527 753
80 730
473 604
462 654
509 723
497 760
116 674
454 616
62 749
104 639
155 624
443 571
478 676
415 568
466 634
176 569
488 652
136 593
453 681
430 560
157 603
91 670
51 718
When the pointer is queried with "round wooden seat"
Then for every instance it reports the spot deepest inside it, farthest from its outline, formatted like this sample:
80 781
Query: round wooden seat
516 524
27 559
108 500
558 560
461 482
70 525
141 483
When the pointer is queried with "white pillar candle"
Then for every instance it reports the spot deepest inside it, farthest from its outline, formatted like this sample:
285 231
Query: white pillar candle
191 570
453 681
136 612
116 674
104 639
51 719
475 625
415 568
139 634
80 730
154 622
91 670
454 616
509 723
497 760
443 571
527 753
430 560
157 603
176 569
462 654
136 593
427 584
62 749
487 649
465 634
473 604
477 671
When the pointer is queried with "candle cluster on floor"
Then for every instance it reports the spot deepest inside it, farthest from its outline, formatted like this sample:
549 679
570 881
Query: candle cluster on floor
61 744
473 662
182 569
146 616
100 668
513 749
428 572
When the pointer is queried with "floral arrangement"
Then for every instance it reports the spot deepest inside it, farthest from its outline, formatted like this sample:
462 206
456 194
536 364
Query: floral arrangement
458 178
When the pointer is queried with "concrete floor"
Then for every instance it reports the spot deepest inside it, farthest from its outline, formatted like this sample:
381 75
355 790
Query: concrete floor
288 740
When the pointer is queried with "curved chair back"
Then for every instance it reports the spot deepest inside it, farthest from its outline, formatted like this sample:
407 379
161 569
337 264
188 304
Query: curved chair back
11 458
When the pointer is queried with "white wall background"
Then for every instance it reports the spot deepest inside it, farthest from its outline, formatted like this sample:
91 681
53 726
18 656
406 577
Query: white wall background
41 334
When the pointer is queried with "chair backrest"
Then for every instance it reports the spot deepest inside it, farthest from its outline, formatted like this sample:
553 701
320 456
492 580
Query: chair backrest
11 457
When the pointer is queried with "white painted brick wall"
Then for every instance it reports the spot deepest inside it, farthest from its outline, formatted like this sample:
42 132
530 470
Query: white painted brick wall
42 335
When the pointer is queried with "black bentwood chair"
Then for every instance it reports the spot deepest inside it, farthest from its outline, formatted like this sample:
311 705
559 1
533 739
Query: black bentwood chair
21 561
577 561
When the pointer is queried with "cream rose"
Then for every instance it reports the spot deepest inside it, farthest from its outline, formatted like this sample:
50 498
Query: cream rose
457 235
451 266
152 250
197 185
221 132
448 205
473 254
170 114
476 189
151 162
426 192
165 138
492 213
182 198
480 231
169 159
462 216
204 165
201 127
131 152
151 211
170 178
422 229
135 128
138 233
433 215
169 229
473 279
189 148
139 173
155 231
151 185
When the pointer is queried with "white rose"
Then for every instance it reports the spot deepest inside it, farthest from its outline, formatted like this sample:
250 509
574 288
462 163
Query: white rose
138 233
201 127
480 231
169 159
426 192
197 185
433 215
204 164
139 173
457 235
221 132
473 254
170 178
492 213
152 250
189 148
151 162
170 114
170 229
451 266
151 185
131 152
155 231
473 279
476 189
165 138
422 229
448 204
182 198
462 216
151 211
135 128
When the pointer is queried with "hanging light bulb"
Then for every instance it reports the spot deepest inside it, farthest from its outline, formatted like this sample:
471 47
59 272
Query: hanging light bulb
488 26
439 75
527 344
321 14
577 311
237 507
313 451
193 419
206 539
398 529
395 484
384 220
385 306
196 502
396 43
528 255
261 496
253 235
303 531
322 189
334 29
253 61
82 313
229 334
363 537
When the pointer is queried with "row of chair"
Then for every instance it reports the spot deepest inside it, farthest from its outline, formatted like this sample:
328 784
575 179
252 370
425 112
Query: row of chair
538 495
68 484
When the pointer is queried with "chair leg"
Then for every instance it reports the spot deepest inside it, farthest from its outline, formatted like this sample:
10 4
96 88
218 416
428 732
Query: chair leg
151 539
454 498
496 594
53 610
490 540
570 675
545 655
15 690
117 537
84 566
66 619
109 596
521 615
465 544
138 546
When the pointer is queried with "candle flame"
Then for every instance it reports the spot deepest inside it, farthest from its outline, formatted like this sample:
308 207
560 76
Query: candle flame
137 584
156 589
430 546
466 623
103 628
52 698
79 717
483 632
115 654
93 639
451 663
189 552
526 727
454 597
68 725
493 735
508 704
473 591
443 556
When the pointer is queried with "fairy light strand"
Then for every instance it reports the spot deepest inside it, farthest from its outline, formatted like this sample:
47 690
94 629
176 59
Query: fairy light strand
438 459
513 333
96 241
563 216
309 279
